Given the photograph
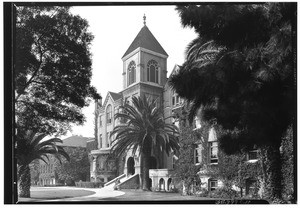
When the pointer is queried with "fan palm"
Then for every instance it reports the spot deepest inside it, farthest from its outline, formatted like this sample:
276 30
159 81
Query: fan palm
29 148
144 131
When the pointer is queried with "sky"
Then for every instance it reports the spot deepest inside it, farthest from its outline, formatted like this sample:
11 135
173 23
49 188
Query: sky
114 28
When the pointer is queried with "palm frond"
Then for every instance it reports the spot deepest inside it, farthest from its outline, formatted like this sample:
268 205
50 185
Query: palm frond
145 125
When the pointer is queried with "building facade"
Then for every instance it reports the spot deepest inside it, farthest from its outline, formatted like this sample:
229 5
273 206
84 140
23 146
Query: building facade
144 73
48 171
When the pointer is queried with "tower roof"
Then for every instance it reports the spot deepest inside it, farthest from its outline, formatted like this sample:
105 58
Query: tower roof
145 39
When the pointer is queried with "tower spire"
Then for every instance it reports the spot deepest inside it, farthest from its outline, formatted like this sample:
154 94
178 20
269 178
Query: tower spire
144 17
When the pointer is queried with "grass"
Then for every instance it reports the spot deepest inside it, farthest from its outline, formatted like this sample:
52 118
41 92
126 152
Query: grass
53 193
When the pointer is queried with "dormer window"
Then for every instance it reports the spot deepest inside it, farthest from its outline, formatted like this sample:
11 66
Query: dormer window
152 71
131 73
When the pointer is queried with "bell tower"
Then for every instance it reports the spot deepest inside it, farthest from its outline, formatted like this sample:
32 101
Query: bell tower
144 66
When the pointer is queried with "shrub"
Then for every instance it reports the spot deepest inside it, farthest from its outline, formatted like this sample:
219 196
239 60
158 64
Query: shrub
225 193
202 192
84 184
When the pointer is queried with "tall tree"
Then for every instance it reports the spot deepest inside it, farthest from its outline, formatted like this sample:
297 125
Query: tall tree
241 70
145 129
30 146
52 69
77 168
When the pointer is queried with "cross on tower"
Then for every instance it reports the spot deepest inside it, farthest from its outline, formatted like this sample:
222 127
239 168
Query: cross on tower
144 19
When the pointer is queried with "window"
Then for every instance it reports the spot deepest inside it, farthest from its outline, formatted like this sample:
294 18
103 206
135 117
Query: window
108 114
252 155
213 184
251 186
197 123
197 154
107 139
100 138
131 73
152 71
100 120
213 152
176 100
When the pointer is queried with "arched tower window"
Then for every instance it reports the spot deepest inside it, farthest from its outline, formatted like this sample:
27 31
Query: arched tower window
108 114
152 71
131 72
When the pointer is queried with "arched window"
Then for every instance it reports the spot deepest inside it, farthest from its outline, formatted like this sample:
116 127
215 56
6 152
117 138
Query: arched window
108 114
152 71
131 73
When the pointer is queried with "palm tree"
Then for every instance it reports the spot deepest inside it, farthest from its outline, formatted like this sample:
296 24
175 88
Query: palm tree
29 148
144 131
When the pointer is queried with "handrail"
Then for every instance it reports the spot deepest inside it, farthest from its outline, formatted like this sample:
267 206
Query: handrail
114 180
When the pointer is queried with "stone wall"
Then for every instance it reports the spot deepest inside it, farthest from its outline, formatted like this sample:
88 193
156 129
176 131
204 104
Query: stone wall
132 183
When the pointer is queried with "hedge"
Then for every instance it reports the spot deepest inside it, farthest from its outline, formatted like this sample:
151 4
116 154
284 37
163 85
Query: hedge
85 184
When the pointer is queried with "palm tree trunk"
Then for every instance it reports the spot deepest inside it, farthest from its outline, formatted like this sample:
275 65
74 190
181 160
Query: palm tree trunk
24 181
146 153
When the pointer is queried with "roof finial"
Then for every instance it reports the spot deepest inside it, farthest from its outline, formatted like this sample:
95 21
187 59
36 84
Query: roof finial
144 19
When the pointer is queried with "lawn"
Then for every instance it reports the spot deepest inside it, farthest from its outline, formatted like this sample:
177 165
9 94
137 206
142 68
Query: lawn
54 193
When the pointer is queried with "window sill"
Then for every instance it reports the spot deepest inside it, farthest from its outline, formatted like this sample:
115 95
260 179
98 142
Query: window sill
213 163
252 161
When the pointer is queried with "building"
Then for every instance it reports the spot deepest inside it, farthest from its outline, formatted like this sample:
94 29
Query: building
144 73
47 171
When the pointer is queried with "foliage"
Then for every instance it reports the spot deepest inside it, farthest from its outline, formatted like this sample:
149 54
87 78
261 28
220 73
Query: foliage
30 146
185 167
34 171
52 69
84 184
244 80
78 168
224 193
288 169
145 130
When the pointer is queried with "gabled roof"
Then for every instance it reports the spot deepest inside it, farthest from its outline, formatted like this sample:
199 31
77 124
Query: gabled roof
115 96
145 39
75 141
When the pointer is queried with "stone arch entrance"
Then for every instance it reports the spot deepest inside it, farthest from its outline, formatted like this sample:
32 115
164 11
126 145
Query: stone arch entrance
130 166
153 163
169 184
161 184
150 182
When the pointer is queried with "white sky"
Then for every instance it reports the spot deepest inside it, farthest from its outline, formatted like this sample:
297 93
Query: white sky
114 28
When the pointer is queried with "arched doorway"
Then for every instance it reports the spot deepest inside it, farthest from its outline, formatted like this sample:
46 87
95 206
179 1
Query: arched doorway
130 166
150 182
161 184
153 163
169 184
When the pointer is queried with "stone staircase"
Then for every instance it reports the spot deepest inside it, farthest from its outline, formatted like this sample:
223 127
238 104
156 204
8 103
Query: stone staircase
126 182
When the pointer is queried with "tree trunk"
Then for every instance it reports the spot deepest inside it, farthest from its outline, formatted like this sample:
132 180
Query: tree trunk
24 181
145 169
273 177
